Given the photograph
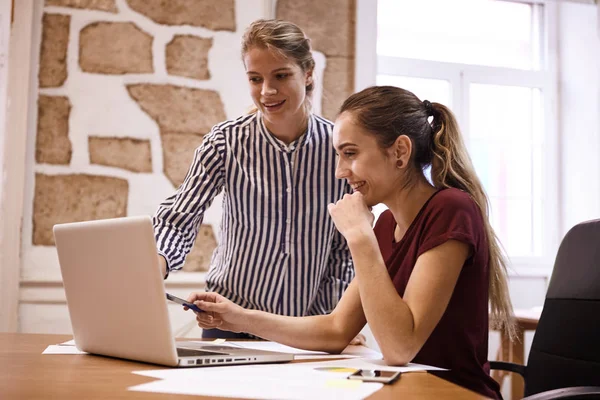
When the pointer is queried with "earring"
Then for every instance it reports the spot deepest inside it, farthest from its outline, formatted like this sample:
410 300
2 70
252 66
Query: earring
399 163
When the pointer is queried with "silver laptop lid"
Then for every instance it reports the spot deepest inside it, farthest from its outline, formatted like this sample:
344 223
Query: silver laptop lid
114 289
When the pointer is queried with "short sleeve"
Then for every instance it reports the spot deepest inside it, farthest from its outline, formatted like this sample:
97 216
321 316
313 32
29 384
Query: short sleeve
451 215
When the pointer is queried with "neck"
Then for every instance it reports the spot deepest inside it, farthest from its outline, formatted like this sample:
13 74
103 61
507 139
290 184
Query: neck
288 130
408 202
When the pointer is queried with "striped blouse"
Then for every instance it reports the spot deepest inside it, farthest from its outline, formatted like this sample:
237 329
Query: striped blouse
278 250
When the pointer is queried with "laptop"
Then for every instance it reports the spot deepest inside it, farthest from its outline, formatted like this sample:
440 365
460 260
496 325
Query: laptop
116 298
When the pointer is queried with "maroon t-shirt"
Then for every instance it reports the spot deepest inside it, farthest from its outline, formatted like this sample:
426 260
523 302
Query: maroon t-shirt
459 342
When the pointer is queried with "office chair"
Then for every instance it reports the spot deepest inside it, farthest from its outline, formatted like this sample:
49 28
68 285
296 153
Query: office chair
564 361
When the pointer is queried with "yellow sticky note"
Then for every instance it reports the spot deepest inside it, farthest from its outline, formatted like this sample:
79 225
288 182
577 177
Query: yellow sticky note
219 341
342 383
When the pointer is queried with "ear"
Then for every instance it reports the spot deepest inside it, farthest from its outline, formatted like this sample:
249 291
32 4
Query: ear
309 77
402 151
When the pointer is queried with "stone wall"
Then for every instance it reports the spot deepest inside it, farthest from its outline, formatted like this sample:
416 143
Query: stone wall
331 26
128 88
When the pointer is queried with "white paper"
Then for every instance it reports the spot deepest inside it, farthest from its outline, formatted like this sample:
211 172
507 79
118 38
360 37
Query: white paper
300 354
373 363
280 370
62 349
290 381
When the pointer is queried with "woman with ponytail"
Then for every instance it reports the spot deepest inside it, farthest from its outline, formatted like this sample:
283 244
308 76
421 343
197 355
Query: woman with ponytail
429 273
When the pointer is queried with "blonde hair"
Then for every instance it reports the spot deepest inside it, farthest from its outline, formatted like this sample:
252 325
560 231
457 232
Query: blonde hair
389 112
284 38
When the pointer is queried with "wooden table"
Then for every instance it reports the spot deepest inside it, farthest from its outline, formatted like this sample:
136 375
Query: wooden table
27 374
514 352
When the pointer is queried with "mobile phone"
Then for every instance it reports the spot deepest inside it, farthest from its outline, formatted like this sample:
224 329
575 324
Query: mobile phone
375 375
177 300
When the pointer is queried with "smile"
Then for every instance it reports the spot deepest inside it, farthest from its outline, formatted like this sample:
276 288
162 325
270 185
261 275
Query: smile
358 185
273 105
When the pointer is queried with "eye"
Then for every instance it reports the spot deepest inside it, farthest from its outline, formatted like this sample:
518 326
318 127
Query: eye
349 154
255 79
281 76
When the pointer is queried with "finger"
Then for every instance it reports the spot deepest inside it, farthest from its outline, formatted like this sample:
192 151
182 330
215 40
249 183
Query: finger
204 296
358 196
215 308
195 296
208 319
360 339
204 325
331 208
207 323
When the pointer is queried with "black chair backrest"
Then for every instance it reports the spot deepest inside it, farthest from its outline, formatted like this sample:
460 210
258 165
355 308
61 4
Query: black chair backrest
566 346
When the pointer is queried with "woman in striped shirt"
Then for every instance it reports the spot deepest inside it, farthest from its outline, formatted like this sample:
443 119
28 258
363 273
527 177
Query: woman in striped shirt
278 249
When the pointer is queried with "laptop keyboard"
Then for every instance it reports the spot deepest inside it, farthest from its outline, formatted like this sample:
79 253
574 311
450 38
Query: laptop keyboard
195 353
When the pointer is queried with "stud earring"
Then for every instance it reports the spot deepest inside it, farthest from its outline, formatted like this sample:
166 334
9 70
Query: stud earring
399 163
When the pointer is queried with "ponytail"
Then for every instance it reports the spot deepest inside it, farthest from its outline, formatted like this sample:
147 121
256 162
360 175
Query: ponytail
451 166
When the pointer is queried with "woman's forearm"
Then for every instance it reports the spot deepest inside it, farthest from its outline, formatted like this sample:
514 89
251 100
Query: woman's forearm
319 332
389 317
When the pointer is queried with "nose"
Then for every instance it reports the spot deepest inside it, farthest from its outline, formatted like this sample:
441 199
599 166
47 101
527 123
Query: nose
268 89
341 170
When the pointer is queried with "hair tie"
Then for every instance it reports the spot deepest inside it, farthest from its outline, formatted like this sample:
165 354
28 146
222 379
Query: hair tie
428 107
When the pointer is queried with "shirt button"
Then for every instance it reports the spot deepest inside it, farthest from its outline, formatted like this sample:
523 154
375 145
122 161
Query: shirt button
288 221
289 190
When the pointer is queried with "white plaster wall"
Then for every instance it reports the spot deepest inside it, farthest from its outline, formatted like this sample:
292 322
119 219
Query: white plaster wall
579 104
5 7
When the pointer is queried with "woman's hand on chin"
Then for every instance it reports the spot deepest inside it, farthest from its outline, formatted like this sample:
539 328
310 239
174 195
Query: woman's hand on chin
352 217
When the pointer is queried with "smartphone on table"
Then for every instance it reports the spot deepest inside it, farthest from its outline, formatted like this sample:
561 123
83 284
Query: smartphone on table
183 302
375 375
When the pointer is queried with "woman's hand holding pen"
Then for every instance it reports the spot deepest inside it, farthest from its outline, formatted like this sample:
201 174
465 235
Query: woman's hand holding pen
221 313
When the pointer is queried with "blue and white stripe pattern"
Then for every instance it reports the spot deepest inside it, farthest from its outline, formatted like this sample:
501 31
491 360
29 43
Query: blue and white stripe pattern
279 250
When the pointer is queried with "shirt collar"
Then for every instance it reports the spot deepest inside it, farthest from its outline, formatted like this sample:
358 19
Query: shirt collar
280 145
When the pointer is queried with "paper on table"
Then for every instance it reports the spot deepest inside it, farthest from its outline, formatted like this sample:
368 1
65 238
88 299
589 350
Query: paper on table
257 382
299 354
361 351
280 370
67 347
62 349
372 363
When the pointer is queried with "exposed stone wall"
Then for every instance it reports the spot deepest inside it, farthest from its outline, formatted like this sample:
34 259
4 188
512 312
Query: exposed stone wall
115 48
129 88
102 5
71 198
211 14
331 26
52 145
53 52
131 154
188 56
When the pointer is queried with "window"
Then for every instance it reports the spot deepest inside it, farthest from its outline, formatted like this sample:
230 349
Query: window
493 66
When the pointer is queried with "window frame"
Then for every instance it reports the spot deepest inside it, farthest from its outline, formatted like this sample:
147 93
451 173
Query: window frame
369 65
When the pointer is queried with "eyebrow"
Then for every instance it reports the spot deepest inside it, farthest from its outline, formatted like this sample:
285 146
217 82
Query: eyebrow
273 72
344 145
